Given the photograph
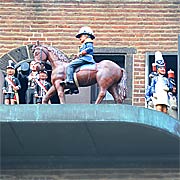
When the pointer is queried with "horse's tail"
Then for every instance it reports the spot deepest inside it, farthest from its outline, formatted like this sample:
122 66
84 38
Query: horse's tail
122 85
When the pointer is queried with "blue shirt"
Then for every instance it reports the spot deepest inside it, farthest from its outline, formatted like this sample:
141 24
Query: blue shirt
89 48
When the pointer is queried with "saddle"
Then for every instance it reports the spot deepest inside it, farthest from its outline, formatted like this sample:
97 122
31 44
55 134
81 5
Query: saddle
73 88
86 67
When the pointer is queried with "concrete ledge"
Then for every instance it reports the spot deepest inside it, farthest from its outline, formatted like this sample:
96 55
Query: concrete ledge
92 113
83 135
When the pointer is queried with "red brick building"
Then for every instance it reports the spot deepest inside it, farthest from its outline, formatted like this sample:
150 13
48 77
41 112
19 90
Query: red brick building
126 31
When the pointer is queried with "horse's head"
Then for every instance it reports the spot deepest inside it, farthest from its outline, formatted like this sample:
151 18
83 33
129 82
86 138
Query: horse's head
40 53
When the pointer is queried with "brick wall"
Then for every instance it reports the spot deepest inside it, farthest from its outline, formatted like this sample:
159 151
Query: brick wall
147 25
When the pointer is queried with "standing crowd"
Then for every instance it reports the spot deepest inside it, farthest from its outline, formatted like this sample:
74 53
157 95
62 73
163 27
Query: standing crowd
36 85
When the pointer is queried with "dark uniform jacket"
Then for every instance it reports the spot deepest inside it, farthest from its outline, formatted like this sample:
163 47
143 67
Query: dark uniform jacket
8 87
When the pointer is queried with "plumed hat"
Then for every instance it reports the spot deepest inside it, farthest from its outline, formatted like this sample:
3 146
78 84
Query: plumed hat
10 65
159 61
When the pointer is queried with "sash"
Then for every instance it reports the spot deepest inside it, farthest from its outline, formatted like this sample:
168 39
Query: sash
41 85
10 82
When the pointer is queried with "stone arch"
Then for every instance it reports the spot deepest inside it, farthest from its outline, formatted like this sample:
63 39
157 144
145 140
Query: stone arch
17 55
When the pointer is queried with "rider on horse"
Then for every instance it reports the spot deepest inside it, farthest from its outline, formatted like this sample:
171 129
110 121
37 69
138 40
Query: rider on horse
85 56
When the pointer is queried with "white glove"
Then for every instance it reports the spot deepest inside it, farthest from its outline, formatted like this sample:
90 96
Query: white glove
166 88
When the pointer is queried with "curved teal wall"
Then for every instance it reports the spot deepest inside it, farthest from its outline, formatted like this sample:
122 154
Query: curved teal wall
87 133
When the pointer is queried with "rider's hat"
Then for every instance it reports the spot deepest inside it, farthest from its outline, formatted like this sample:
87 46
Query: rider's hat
86 30
10 65
159 61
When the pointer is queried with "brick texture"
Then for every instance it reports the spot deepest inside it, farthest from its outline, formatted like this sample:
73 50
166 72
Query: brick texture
147 25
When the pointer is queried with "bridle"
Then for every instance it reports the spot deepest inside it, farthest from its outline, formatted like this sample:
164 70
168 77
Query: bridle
41 54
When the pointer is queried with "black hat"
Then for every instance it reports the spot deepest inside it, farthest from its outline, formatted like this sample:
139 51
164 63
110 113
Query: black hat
10 65
43 71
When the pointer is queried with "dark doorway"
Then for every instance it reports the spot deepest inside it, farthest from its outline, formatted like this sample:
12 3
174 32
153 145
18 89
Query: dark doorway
117 58
124 58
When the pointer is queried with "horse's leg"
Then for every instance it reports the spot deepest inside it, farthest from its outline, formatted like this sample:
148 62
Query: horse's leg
48 95
101 95
113 91
60 91
61 94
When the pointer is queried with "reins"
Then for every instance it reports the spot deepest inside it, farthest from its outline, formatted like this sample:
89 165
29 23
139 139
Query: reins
41 51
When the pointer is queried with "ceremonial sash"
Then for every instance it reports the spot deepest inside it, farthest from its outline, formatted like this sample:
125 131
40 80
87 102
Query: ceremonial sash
41 85
10 82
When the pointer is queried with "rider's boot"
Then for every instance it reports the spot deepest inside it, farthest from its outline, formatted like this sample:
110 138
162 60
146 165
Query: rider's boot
67 83
72 91
69 78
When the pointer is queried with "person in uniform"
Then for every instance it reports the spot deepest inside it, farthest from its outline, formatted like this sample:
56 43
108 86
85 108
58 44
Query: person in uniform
11 85
172 95
84 56
160 85
32 79
22 75
42 86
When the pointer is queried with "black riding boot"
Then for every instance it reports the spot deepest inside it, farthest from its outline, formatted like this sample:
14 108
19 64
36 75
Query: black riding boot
72 91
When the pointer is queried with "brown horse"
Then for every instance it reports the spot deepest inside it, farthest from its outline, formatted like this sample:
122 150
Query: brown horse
107 74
